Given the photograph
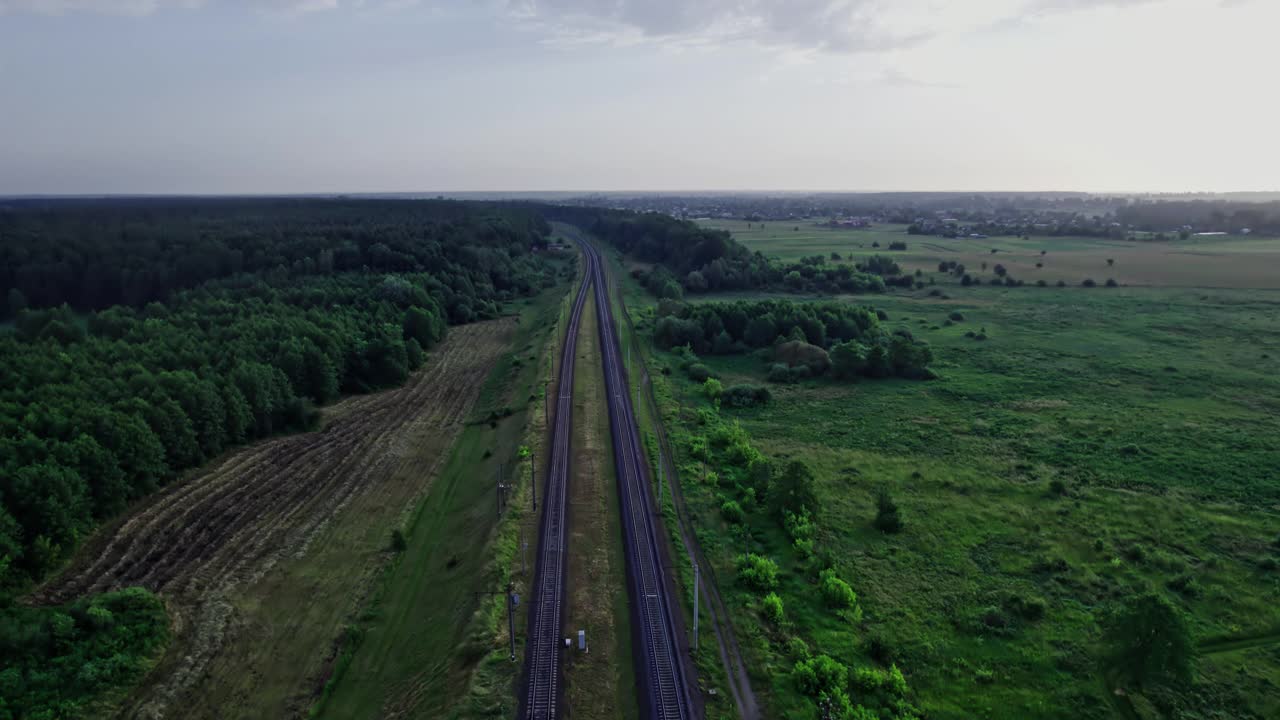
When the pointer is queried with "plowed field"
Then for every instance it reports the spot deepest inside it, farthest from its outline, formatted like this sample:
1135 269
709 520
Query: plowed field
261 557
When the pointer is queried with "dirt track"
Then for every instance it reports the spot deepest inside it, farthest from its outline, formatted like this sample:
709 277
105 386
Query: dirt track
221 531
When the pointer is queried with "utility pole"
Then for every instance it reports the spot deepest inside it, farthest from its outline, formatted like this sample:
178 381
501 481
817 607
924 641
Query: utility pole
524 548
512 601
511 617
697 577
662 471
500 491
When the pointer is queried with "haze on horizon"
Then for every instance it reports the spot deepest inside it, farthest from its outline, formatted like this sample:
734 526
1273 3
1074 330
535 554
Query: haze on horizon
297 96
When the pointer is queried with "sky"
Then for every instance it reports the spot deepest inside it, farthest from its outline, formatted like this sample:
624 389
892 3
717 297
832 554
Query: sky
316 96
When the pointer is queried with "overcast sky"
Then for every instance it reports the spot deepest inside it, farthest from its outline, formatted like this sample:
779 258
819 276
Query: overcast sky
234 96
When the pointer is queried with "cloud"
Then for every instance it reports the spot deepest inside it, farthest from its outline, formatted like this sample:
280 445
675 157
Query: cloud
106 7
825 25
147 7
897 78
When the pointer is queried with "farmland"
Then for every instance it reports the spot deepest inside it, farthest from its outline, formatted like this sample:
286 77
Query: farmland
425 640
261 558
1095 444
1203 262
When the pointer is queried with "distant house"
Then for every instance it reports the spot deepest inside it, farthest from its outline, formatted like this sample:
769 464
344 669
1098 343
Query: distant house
849 222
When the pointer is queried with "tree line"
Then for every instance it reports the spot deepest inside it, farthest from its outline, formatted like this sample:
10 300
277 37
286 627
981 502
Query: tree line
842 339
687 258
100 408
93 254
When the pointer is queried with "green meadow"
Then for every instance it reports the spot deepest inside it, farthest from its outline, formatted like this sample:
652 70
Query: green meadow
1080 447
1196 262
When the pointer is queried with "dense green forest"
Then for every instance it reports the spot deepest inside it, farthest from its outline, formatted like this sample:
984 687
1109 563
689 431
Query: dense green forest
59 661
92 254
688 258
294 303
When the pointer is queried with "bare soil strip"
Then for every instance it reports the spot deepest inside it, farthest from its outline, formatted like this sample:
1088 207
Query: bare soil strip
208 544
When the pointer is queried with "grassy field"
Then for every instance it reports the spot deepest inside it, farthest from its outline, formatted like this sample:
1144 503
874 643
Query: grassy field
1197 262
428 645
1158 411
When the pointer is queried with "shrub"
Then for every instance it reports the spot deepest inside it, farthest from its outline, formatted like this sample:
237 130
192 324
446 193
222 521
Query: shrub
1057 487
1111 282
819 674
1149 640
757 572
772 608
698 372
879 649
796 352
955 316
744 396
1088 282
1062 283
887 518
897 245
712 389
878 688
1027 608
780 373
1185 584
836 592
731 511
798 649
398 542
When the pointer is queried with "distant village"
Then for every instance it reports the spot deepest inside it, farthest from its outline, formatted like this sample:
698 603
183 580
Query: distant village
953 215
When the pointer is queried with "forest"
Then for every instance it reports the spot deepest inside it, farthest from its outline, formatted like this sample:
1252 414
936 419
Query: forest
687 258
93 254
149 337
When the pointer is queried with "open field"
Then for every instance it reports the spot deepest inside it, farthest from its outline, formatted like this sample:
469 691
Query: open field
261 558
421 641
1206 262
1156 409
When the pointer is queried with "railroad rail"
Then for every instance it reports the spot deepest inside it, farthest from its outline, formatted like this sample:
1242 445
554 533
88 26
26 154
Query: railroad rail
541 697
665 693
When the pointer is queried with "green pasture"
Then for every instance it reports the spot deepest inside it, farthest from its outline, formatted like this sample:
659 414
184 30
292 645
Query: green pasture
1097 443
1197 262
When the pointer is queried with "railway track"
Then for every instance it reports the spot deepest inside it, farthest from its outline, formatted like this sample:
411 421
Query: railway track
540 699
665 691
